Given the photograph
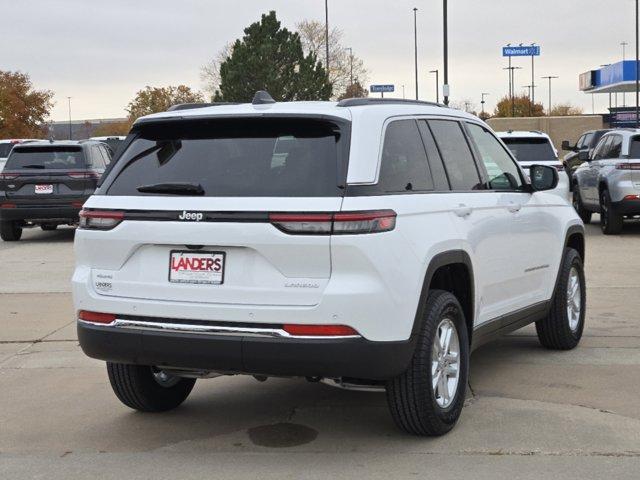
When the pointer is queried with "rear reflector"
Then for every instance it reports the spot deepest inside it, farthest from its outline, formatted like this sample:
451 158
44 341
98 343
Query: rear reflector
8 176
86 174
7 205
320 330
341 223
628 166
100 219
96 317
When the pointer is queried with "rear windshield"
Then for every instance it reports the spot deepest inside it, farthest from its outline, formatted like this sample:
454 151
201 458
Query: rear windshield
267 157
46 158
5 149
531 149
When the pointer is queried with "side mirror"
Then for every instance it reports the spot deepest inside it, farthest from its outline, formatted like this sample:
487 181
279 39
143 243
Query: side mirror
583 155
543 178
566 146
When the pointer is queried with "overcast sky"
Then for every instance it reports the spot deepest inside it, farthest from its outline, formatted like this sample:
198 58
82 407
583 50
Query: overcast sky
101 52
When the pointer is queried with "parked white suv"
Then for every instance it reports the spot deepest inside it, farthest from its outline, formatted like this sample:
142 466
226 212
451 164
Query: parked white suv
536 148
360 242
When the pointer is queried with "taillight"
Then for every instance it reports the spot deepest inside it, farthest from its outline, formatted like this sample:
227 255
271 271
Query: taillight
84 174
320 330
96 317
628 166
340 223
632 197
8 205
8 176
100 219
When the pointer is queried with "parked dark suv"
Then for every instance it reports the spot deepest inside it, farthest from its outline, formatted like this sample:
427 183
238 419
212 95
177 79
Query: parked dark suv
586 143
46 184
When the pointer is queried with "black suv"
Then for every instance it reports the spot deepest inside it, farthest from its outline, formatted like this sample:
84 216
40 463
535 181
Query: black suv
586 143
46 184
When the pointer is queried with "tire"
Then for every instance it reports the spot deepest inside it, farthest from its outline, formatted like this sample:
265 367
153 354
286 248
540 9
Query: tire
138 387
560 330
10 231
413 400
585 215
610 221
48 227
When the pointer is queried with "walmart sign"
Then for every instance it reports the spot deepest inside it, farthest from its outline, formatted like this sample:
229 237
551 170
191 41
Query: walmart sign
531 51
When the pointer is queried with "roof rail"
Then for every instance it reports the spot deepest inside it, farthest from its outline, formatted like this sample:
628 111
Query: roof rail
359 102
190 106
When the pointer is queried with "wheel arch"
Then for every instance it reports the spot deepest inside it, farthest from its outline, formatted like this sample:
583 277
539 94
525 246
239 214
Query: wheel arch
451 271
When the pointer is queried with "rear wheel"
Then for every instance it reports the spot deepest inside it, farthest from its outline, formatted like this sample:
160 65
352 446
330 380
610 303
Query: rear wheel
146 388
610 221
428 397
48 227
562 329
585 215
10 230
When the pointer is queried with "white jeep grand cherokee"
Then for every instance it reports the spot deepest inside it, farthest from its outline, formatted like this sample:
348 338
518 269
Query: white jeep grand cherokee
360 242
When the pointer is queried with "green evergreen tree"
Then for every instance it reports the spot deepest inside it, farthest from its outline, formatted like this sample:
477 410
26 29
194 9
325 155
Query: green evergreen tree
271 58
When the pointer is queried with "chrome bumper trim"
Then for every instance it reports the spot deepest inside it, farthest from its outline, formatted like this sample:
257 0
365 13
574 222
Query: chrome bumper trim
217 330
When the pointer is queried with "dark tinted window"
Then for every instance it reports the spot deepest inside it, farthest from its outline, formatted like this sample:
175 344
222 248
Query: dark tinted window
438 172
634 148
55 158
597 135
404 161
248 158
586 141
602 149
5 149
615 147
531 149
456 155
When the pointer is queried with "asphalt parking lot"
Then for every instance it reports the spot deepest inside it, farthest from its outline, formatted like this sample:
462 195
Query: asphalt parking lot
531 413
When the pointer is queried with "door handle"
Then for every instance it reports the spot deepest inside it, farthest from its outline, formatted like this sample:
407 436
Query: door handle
462 210
514 207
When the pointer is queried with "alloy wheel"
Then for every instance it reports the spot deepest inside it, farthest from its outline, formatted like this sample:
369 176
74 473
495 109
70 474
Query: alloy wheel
445 363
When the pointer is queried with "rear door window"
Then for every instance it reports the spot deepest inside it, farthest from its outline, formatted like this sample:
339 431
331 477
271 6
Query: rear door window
534 149
602 149
634 148
615 147
456 155
404 164
46 158
269 157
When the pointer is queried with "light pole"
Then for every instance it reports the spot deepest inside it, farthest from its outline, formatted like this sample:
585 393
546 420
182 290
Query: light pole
326 33
550 77
437 85
415 45
403 96
482 102
445 88
512 87
533 81
528 87
70 135
350 65
637 68
624 57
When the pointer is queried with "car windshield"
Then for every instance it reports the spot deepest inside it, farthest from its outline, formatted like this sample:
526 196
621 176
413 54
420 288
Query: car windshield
46 158
248 158
530 149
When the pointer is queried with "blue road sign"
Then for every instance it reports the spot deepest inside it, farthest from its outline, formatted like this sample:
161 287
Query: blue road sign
382 88
531 51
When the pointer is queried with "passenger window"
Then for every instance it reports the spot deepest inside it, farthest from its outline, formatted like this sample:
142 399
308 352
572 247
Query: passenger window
580 142
615 148
634 148
404 164
96 158
503 174
602 148
456 155
106 155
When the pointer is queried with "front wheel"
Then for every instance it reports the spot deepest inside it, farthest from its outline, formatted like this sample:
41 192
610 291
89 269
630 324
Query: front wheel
428 397
610 221
148 389
585 215
10 231
562 328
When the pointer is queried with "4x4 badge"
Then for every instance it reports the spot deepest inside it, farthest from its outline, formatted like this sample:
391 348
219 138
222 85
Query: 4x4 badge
194 216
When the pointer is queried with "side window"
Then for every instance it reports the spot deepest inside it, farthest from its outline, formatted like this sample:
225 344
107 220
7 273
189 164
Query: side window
634 148
404 164
106 155
456 154
615 148
502 171
586 142
602 148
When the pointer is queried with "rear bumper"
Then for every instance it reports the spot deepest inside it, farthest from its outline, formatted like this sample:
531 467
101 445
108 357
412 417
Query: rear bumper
332 358
40 212
627 207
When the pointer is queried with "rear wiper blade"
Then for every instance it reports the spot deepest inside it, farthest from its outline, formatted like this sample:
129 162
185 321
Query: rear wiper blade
178 188
34 165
